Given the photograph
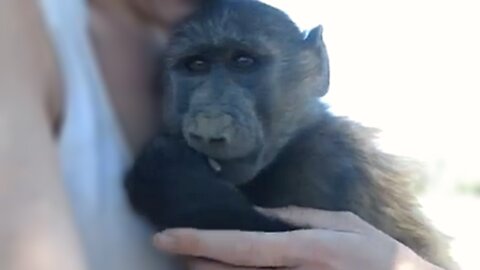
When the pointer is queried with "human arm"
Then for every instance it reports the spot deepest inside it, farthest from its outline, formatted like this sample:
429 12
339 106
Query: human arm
337 241
36 226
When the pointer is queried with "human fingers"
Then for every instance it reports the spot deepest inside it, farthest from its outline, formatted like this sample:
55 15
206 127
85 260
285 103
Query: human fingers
246 249
319 219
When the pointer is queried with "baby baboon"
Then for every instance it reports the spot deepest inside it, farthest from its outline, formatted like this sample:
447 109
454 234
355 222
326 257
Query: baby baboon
246 128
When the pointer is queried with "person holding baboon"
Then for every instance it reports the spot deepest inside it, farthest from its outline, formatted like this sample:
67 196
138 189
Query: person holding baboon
75 106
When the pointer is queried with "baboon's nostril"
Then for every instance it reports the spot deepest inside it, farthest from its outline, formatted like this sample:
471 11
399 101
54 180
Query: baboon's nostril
217 141
207 140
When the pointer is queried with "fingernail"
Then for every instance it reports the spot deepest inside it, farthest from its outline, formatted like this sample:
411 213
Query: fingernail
164 240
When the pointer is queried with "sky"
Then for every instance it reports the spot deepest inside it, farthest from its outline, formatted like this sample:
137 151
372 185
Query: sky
410 67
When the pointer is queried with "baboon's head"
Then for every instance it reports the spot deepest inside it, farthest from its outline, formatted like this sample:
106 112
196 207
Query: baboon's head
244 79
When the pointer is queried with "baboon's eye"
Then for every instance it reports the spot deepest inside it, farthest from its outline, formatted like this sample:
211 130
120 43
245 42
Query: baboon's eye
243 61
197 64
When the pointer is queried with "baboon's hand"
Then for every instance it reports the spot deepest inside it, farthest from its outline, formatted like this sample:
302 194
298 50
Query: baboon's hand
173 186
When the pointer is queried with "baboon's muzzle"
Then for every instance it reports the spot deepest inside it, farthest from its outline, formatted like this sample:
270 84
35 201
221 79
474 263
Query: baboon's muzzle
218 134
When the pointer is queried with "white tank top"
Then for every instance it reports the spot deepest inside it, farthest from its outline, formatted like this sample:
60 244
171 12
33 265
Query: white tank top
93 151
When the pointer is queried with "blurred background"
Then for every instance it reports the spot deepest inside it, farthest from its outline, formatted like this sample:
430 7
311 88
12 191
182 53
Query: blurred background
412 69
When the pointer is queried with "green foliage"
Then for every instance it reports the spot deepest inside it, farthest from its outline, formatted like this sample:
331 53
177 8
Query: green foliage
472 188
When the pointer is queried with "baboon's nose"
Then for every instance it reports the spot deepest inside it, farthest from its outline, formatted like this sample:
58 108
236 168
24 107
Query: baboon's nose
210 129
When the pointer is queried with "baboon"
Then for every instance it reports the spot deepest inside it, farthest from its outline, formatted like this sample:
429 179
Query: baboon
246 127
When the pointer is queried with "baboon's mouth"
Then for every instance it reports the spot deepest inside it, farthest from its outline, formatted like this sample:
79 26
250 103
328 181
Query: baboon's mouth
235 171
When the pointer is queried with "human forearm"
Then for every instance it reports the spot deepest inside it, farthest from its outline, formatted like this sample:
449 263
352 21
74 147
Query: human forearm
36 227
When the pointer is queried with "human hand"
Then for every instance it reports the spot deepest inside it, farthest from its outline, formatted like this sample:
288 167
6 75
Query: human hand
337 241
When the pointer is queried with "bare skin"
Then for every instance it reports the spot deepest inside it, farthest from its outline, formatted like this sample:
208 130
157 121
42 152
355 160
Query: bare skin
337 241
121 32
30 187
31 190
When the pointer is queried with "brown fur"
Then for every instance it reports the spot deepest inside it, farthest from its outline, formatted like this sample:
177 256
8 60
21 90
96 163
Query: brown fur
382 195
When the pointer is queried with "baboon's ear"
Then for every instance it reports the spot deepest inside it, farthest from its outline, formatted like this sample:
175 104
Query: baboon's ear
315 36
314 42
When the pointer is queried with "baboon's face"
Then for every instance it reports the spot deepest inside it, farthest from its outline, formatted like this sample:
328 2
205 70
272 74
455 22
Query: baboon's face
237 76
